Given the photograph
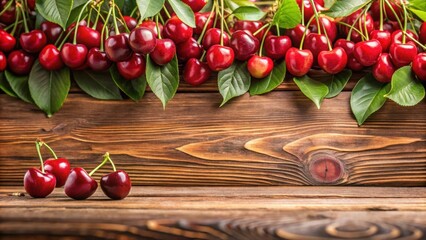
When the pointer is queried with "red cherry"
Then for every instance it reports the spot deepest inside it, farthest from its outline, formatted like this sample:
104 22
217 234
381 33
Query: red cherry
384 37
308 9
3 62
333 61
196 72
7 41
31 4
117 48
364 22
396 36
131 23
80 185
195 5
422 33
277 46
97 60
50 58
163 52
189 49
402 54
33 42
212 37
383 69
375 10
259 67
20 62
419 66
9 16
142 40
132 68
354 65
153 26
349 47
177 30
60 168
51 30
244 44
367 52
74 56
88 36
251 26
316 43
219 57
116 185
327 25
387 26
201 21
38 184
298 61
296 34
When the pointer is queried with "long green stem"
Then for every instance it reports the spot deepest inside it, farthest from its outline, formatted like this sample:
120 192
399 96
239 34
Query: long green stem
316 15
221 22
78 21
39 155
15 25
6 7
106 158
206 25
158 28
166 11
405 22
263 39
48 147
24 18
104 28
394 13
114 16
302 41
122 20
416 41
353 27
381 5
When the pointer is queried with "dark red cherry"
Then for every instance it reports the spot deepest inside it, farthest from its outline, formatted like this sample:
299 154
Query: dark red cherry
298 62
195 5
177 30
80 185
8 16
97 60
365 19
383 69
117 48
419 66
74 55
189 49
3 62
395 4
152 25
387 26
259 67
38 184
60 168
402 54
163 52
396 36
116 185
251 26
384 37
422 33
316 43
333 61
244 44
33 42
276 46
51 30
201 21
89 37
367 52
142 40
354 65
212 37
31 4
7 41
219 57
131 23
20 62
327 25
296 34
132 68
196 72
308 9
349 47
50 58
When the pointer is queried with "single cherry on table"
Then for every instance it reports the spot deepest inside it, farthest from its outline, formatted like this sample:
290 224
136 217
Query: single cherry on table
117 184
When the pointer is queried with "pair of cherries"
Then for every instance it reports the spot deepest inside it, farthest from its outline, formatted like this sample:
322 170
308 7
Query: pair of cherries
78 184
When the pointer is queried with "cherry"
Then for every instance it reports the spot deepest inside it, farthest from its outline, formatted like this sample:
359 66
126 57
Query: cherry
212 37
74 56
422 33
132 68
117 48
375 10
50 58
201 21
163 52
327 25
33 42
97 60
7 41
244 44
333 61
39 184
276 46
367 52
354 65
259 67
296 34
131 23
219 57
196 72
383 69
365 22
51 30
316 43
189 49
31 4
308 9
88 36
251 26
387 26
349 46
60 168
8 17
195 5
396 36
153 26
3 62
20 62
115 185
80 185
298 62
402 54
142 40
384 37
177 30
419 66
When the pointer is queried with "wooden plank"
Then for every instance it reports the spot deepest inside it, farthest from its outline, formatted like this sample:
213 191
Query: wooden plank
276 139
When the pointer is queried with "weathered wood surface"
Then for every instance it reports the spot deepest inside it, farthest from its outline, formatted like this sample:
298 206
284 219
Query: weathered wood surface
276 139
220 213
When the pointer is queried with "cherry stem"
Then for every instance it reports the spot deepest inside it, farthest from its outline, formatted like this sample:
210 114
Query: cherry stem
78 21
221 21
314 7
48 147
104 28
405 22
394 13
302 11
121 19
24 18
367 34
263 39
114 16
133 13
15 25
381 5
302 41
106 158
65 38
89 17
6 7
158 28
352 28
166 11
416 41
205 25
260 29
97 17
37 143
11 26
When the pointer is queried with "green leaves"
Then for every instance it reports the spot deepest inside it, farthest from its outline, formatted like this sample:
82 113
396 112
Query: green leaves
19 85
49 89
233 81
288 14
273 80
163 80
97 85
249 13
337 82
314 90
56 11
343 8
148 8
134 88
406 90
5 86
367 97
183 11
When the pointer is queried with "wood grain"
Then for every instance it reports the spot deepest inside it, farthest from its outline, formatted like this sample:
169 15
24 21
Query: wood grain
276 139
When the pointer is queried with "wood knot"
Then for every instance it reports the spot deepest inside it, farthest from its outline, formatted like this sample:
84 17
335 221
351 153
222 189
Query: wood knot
326 169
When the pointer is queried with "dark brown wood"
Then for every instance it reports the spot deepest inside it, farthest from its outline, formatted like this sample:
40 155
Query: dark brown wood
276 139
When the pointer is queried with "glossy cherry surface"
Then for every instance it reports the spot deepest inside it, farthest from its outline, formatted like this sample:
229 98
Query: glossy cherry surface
7 41
383 69
201 21
89 37
365 22
296 34
20 62
116 185
244 44
60 168
333 61
196 72
142 40
308 9
422 33
132 68
50 58
33 42
396 36
79 184
117 48
51 30
367 52
163 52
402 54
38 184
189 49
327 25
419 66
276 47
131 23
177 30
384 37
316 43
74 55
349 47
9 16
251 26
219 57
3 62
153 26
259 67
195 5
97 60
212 37
298 62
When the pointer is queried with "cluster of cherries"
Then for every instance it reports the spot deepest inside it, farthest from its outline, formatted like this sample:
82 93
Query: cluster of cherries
77 183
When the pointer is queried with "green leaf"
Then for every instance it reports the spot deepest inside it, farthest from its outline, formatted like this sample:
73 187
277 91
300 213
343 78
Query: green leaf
417 4
134 88
128 7
420 14
97 85
314 90
367 97
183 11
5 86
233 81
148 8
406 90
19 85
234 4
76 9
269 83
337 82
208 7
249 13
288 15
56 11
163 80
343 8
328 3
49 89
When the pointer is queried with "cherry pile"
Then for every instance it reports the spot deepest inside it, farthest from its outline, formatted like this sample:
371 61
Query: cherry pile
77 183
